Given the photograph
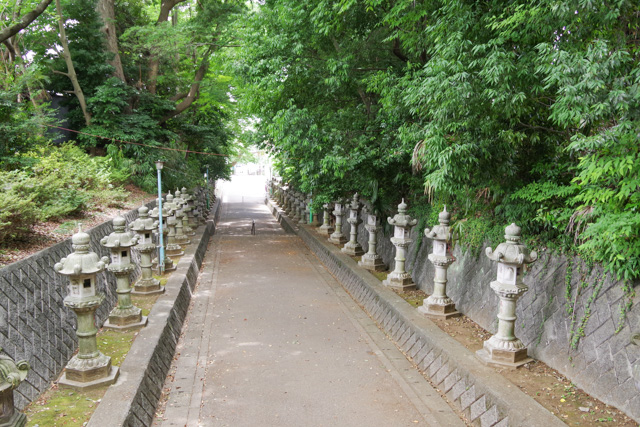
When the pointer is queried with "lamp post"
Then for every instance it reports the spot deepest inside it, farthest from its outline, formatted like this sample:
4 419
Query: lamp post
159 166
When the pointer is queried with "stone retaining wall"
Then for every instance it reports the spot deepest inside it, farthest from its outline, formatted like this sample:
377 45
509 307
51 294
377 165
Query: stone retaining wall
600 364
34 323
602 361
133 399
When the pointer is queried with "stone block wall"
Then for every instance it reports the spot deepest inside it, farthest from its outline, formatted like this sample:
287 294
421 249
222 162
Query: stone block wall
34 323
602 361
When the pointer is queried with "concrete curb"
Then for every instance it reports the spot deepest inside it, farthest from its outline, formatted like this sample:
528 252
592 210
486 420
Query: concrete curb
486 397
132 400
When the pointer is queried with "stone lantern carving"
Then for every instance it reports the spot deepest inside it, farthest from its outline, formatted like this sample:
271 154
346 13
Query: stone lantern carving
144 227
438 304
11 375
371 260
325 229
337 236
402 224
89 368
166 213
125 315
352 247
504 349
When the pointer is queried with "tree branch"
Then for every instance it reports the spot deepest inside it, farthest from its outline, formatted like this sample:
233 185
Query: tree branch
25 21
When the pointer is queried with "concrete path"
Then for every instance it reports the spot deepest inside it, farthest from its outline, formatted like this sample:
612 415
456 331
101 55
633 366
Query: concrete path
273 340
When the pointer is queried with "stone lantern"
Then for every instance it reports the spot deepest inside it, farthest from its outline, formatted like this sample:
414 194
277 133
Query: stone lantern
89 368
181 238
325 229
182 206
296 207
402 224
285 199
352 247
11 375
166 213
144 227
371 260
438 304
192 205
173 250
337 237
125 315
504 349
304 210
289 202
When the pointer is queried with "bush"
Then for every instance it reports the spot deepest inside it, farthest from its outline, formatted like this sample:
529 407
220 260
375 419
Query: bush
17 212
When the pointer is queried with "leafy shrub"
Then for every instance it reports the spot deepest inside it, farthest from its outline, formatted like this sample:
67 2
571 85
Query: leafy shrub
17 212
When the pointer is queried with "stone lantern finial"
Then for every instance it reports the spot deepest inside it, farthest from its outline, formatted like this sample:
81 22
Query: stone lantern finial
438 304
89 368
402 223
503 348
11 375
125 315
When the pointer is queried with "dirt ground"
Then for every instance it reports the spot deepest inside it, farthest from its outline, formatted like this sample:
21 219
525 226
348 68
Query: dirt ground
546 385
48 233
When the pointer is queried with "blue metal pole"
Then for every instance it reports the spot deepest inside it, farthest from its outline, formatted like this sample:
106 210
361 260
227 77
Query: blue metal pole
161 239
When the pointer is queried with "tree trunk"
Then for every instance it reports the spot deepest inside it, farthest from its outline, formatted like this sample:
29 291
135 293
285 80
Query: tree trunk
71 72
108 15
25 21
154 65
192 95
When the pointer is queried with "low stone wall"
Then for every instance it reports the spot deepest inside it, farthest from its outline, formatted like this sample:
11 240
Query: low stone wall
34 323
133 399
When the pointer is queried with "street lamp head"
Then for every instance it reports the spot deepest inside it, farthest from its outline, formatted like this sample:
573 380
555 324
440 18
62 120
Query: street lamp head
159 164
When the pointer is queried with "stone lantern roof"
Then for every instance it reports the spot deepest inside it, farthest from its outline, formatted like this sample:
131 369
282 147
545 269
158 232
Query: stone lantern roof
81 261
119 238
11 373
166 210
441 231
401 219
143 222
512 251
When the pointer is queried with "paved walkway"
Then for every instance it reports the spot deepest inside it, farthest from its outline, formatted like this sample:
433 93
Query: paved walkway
273 340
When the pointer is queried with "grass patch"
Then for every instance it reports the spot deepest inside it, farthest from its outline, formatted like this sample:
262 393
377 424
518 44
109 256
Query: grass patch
380 275
66 227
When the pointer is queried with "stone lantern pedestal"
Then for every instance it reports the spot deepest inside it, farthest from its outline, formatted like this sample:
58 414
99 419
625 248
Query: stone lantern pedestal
504 349
89 368
399 278
371 260
337 236
11 375
325 229
352 247
144 226
125 315
438 304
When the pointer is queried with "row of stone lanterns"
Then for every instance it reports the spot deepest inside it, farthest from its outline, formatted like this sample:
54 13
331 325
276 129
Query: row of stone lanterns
90 368
503 348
